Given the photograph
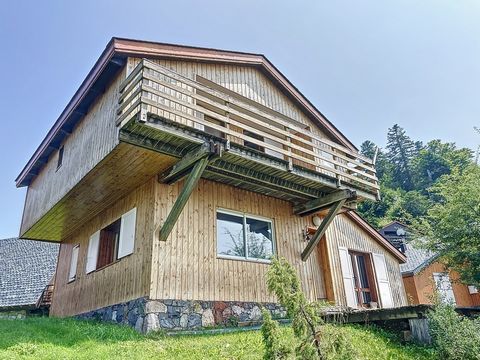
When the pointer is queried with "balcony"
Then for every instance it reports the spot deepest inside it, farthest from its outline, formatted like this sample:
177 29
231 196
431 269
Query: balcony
258 149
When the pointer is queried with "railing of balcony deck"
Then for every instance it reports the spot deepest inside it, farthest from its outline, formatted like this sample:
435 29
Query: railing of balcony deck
151 88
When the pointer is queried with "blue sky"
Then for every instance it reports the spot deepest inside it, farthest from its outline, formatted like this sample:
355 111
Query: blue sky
365 64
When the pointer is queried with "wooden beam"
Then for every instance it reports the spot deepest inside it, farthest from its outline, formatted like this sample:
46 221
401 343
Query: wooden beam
182 198
181 168
322 228
324 202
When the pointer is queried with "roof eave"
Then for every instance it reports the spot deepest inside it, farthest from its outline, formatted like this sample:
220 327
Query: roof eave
375 234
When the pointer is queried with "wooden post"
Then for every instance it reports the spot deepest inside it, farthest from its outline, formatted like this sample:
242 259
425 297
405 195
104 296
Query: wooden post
322 229
182 198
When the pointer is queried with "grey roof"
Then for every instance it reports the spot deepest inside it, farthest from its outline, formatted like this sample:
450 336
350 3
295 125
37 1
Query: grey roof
417 259
26 267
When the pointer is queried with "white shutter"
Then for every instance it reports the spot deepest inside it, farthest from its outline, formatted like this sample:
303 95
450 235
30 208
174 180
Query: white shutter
92 253
348 277
472 289
73 264
444 287
382 281
127 233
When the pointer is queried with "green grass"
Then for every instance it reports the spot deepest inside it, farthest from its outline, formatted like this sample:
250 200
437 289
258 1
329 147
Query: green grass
46 338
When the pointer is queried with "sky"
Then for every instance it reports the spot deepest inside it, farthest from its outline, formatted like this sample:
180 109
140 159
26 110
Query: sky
366 65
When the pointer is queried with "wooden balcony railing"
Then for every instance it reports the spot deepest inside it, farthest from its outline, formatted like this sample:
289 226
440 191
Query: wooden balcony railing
209 107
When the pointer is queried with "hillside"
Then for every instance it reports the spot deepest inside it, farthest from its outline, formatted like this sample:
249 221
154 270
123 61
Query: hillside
47 338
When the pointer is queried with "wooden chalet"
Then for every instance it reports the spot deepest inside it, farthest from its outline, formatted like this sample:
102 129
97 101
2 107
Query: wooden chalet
176 172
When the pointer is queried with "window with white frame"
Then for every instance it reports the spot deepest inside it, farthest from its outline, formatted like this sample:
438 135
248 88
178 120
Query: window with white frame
72 273
112 243
244 236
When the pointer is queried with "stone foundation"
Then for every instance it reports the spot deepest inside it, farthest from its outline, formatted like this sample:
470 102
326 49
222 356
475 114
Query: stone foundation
146 315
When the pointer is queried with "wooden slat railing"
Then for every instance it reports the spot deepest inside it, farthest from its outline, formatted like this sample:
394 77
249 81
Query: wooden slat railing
151 88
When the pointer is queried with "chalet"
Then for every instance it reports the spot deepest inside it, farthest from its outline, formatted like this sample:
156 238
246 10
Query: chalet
175 173
424 274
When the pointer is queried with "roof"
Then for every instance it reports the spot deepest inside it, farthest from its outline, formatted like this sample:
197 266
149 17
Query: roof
26 267
376 235
417 259
113 59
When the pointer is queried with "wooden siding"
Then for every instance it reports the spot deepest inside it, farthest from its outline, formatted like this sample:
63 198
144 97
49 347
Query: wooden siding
186 265
420 288
344 232
126 279
91 140
244 80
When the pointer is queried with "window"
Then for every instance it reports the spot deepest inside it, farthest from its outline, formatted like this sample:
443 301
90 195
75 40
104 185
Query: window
72 274
444 288
243 236
60 157
362 274
112 242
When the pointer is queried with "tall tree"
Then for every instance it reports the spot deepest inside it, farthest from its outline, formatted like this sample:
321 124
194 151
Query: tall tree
400 152
453 224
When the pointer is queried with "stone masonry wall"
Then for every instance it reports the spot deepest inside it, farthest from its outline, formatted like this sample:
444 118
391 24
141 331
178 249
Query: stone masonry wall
146 315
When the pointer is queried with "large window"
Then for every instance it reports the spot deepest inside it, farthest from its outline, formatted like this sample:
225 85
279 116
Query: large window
244 237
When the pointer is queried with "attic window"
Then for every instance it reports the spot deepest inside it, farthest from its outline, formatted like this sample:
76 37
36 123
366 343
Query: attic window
60 157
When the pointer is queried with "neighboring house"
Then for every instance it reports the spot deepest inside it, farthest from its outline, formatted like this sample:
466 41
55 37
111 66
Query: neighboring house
424 274
26 268
175 173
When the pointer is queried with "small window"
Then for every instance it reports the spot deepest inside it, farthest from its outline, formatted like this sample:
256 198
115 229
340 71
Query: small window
112 242
243 236
60 157
108 244
72 274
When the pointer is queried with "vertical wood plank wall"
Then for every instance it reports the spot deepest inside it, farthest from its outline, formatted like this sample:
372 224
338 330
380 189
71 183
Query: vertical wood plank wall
344 232
91 140
126 279
244 80
186 265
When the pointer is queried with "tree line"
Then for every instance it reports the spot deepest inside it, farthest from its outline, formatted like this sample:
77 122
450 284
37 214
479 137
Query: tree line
434 188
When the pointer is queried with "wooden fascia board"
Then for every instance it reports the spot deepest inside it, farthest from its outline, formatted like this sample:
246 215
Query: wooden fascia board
376 235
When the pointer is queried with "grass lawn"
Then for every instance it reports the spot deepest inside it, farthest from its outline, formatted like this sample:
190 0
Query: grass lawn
45 338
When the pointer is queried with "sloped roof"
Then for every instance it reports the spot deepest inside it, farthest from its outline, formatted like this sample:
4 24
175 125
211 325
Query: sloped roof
113 59
417 259
360 221
26 267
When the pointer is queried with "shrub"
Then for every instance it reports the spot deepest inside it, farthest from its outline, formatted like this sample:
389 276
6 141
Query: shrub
315 339
454 336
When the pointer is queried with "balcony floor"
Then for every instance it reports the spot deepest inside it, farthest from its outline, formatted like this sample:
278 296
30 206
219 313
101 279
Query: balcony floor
240 166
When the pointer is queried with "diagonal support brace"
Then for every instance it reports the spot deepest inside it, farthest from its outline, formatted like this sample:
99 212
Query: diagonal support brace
190 183
183 167
336 207
324 202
